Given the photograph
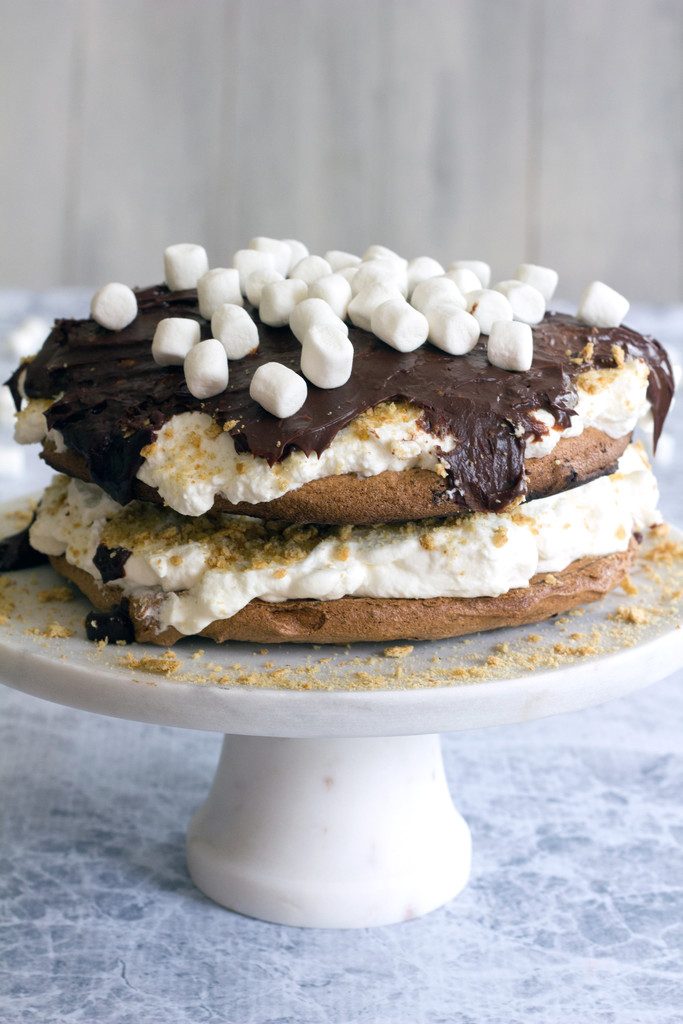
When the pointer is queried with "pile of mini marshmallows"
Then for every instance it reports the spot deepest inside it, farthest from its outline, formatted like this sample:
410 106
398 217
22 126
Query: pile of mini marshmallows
405 303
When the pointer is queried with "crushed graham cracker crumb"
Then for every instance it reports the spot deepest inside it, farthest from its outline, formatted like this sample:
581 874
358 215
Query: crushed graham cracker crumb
166 664
399 651
60 595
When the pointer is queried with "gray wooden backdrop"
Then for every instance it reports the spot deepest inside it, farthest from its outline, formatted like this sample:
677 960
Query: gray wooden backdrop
546 130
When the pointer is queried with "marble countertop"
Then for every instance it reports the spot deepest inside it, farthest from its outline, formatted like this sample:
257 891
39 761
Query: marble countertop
574 912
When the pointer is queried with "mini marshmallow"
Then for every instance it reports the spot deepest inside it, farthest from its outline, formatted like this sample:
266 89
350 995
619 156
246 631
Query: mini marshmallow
436 289
466 279
256 282
27 338
206 369
400 325
362 305
184 264
278 389
379 271
528 305
542 278
338 259
236 331
279 250
297 252
311 312
380 252
601 306
333 289
278 300
173 338
114 306
478 267
349 273
451 328
487 306
216 287
510 345
421 269
326 356
310 269
248 261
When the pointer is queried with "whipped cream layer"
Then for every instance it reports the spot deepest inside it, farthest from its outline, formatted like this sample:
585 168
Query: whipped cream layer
192 460
209 568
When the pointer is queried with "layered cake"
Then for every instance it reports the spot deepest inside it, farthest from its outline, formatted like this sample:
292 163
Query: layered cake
335 449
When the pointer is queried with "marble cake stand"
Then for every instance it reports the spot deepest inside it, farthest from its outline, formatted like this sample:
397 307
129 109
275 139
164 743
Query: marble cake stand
328 808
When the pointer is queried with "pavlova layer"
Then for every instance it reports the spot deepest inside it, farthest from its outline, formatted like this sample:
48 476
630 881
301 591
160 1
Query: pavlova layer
208 568
192 461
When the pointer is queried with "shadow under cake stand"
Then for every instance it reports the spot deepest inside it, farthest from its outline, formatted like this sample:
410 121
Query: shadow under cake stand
329 808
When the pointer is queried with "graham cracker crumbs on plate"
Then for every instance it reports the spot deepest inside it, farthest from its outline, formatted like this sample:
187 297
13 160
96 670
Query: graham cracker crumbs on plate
629 587
6 602
196 655
166 664
61 595
400 651
533 638
632 614
53 631
581 651
666 551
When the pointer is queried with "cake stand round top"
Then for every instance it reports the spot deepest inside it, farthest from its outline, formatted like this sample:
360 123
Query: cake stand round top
585 657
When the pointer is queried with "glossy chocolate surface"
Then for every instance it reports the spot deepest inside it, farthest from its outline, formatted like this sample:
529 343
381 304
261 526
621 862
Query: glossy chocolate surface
114 396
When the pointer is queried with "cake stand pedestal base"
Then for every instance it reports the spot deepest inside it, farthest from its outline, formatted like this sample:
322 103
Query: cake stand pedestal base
330 833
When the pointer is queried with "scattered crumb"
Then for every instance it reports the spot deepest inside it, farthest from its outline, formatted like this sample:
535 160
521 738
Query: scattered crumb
632 613
57 594
53 631
166 664
629 587
197 654
400 651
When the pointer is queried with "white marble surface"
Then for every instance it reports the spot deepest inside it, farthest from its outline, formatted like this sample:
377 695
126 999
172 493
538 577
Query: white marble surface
574 912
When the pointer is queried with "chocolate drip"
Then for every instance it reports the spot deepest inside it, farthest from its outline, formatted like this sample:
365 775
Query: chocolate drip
115 397
16 553
114 626
110 562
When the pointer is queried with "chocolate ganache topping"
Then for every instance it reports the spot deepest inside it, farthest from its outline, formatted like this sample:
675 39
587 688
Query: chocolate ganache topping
114 397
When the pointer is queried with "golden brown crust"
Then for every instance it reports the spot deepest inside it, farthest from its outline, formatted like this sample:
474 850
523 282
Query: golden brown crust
355 619
396 495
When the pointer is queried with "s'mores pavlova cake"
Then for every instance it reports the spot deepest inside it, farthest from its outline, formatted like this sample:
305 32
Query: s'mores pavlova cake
335 449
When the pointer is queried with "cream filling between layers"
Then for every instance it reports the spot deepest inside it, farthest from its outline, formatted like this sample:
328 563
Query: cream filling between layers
192 461
209 568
